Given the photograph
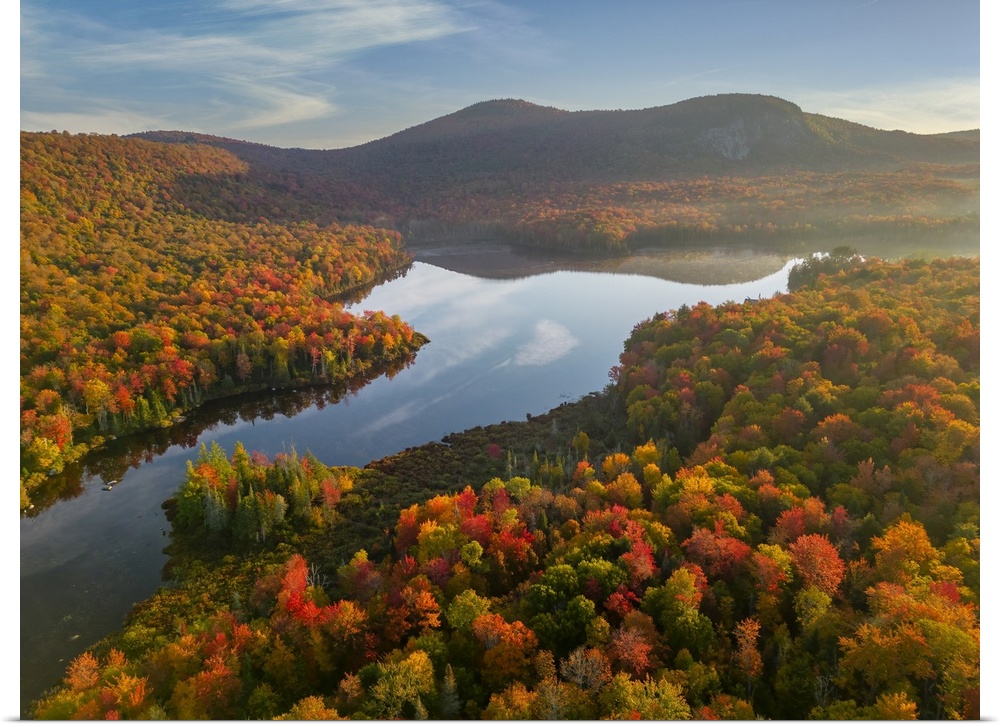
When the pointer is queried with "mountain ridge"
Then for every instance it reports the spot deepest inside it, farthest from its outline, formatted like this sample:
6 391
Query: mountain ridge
490 116
504 110
550 176
745 134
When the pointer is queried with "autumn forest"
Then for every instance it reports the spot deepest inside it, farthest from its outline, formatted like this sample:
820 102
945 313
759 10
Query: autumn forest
770 511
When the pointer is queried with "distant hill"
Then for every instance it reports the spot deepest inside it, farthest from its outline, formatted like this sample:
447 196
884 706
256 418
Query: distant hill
505 161
734 133
730 133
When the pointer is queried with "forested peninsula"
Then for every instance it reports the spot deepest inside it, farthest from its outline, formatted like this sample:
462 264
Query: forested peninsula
136 308
775 514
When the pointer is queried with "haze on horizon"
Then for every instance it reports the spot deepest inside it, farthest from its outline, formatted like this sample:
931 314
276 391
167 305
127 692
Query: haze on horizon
337 73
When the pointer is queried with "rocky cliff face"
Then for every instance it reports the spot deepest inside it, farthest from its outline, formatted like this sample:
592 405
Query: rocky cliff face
744 135
731 141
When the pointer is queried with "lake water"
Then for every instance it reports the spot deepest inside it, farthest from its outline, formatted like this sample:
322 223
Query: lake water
500 348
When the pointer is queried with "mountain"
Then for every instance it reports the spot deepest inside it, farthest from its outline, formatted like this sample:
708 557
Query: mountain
734 133
506 161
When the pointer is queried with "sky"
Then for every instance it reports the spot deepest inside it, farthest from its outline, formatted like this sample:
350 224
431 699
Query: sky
327 74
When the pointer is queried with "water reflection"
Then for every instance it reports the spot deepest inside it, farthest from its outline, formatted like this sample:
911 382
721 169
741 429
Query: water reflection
112 462
499 349
88 553
734 261
550 343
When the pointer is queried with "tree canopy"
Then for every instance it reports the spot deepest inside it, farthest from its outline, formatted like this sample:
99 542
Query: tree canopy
792 532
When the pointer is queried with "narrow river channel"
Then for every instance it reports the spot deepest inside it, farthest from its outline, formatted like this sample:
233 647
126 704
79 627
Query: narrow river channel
500 348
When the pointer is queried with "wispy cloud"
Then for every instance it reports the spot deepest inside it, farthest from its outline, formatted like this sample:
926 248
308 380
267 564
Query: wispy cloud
685 80
279 106
333 28
933 106
507 35
99 121
244 64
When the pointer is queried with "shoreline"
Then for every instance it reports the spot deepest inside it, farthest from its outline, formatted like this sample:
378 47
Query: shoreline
715 264
694 265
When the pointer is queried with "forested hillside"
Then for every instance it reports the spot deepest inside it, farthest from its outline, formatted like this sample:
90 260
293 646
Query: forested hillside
152 279
789 529
719 168
155 275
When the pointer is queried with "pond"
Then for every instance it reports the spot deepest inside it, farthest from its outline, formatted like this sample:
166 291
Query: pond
503 344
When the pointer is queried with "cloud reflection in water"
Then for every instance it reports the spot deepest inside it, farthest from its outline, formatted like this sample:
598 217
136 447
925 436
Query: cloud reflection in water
550 343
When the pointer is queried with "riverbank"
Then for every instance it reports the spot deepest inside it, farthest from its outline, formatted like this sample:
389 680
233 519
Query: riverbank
719 264
699 266
33 484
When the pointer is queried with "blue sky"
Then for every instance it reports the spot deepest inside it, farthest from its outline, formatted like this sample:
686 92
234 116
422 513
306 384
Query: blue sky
334 73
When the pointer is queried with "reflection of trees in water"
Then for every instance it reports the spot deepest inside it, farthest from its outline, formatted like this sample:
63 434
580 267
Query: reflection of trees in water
353 296
114 460
726 261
